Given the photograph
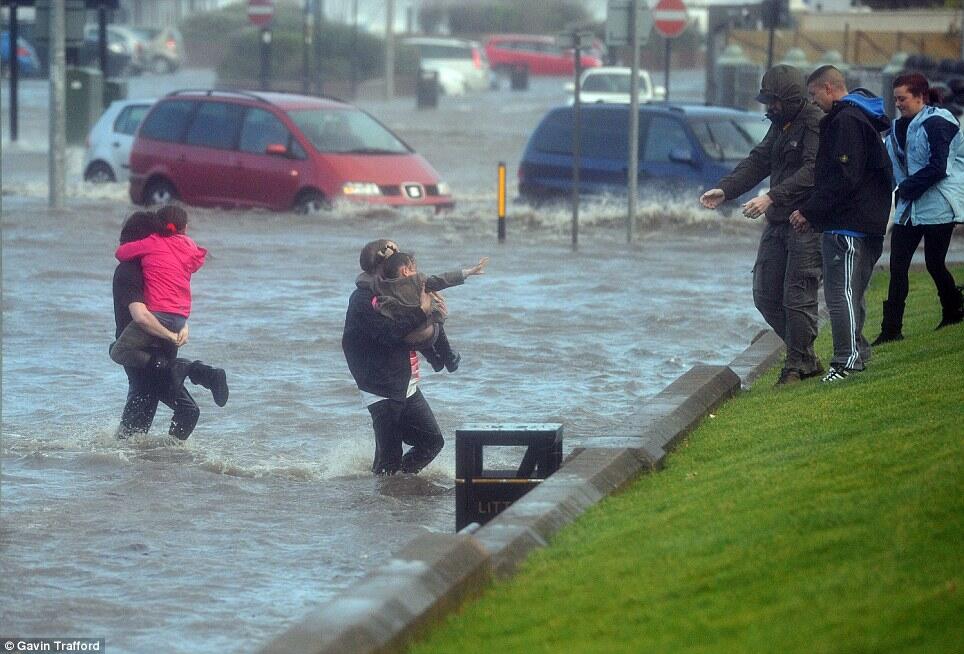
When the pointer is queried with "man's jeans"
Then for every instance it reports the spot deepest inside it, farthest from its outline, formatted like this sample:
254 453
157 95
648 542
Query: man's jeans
786 281
848 263
408 421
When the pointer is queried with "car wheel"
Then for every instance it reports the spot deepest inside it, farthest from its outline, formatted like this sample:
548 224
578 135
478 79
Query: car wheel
161 66
160 191
312 202
99 173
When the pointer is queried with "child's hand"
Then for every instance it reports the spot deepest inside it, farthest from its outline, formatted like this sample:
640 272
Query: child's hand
477 269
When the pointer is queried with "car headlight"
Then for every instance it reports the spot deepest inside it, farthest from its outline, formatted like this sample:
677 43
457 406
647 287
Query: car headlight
443 188
360 188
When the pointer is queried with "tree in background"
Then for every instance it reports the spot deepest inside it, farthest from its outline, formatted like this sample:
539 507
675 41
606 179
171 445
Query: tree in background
226 40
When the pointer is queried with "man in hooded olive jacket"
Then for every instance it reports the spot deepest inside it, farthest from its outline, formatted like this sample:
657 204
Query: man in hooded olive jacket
787 272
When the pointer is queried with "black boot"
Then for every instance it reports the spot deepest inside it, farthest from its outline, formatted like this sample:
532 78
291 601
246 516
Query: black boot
433 358
892 324
214 379
952 308
173 370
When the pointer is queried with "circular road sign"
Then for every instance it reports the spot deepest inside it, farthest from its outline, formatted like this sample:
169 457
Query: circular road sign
670 18
260 12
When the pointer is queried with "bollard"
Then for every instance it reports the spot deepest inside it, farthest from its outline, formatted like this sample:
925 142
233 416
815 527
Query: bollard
482 494
519 78
426 89
501 202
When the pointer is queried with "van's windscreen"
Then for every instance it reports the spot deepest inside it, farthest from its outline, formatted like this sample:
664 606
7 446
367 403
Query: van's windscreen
346 131
729 139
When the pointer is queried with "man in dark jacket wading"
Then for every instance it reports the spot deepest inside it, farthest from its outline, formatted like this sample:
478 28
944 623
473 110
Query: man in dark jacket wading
850 205
786 275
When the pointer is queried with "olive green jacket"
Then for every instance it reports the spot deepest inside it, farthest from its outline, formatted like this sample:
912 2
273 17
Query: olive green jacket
788 151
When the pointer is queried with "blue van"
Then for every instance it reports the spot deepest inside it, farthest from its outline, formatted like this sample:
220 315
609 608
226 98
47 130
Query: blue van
683 150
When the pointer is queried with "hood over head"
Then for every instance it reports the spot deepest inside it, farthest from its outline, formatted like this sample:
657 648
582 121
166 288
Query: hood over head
871 105
786 84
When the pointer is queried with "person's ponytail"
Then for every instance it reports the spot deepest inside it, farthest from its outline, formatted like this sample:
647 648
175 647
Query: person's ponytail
935 97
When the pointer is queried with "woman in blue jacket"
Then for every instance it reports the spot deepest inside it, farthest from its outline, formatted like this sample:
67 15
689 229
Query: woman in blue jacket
927 150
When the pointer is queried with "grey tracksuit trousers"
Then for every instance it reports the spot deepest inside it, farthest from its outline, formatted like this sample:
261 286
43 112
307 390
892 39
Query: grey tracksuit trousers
848 263
786 283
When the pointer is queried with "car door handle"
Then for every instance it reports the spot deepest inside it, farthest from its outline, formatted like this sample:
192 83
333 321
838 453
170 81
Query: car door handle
182 157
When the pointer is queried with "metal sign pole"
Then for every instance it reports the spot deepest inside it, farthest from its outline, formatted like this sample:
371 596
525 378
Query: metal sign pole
632 174
56 170
576 144
265 59
14 71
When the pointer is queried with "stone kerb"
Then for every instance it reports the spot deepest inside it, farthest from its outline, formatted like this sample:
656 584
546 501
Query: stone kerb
435 573
431 576
763 353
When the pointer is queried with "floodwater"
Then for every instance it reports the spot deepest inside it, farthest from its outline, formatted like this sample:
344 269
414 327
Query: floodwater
220 542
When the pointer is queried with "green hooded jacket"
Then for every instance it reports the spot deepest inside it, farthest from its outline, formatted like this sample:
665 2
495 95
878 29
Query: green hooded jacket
787 152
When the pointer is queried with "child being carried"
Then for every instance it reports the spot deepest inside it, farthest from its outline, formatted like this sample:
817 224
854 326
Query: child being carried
403 286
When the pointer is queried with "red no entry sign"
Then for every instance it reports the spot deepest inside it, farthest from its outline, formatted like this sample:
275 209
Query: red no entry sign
260 12
670 17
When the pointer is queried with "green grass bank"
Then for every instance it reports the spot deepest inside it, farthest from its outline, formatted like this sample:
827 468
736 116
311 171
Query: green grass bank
810 518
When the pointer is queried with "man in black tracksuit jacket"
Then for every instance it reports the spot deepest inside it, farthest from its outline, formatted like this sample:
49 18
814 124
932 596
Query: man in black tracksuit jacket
786 275
850 205
386 371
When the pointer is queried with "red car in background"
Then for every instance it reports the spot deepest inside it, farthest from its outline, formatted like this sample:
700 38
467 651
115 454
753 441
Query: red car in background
274 150
539 54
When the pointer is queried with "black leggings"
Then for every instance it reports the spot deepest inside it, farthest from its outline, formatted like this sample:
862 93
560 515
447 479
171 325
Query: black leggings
904 240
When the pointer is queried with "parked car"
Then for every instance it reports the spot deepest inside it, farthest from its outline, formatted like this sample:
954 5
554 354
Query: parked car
683 149
274 150
164 48
612 84
126 50
109 143
27 57
461 65
539 54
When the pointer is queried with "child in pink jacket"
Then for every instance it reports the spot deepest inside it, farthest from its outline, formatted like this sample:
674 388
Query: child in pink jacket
168 258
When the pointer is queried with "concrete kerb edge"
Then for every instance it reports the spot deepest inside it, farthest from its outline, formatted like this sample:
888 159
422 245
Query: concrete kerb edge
435 573
432 575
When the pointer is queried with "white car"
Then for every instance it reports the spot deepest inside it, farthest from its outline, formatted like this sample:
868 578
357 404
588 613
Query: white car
110 140
611 84
461 65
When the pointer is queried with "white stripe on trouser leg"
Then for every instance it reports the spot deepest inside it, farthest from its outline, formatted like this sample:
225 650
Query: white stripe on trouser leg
849 293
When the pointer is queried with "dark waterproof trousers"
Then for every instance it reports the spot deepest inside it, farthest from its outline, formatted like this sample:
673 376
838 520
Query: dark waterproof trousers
786 282
145 390
848 263
409 421
904 240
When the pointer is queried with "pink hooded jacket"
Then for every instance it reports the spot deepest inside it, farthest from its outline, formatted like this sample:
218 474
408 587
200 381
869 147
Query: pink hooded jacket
167 262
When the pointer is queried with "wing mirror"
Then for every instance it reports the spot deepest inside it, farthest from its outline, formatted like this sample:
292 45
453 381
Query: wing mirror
277 149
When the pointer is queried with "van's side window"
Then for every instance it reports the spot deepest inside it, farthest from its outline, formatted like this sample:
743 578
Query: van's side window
168 120
663 136
261 129
215 125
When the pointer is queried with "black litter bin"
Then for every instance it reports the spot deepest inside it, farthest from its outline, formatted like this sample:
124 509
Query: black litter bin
482 494
519 78
426 89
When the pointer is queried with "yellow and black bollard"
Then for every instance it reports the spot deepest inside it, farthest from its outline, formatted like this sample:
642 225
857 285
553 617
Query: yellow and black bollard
501 201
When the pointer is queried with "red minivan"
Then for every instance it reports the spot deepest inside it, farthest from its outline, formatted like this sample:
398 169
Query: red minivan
541 55
274 150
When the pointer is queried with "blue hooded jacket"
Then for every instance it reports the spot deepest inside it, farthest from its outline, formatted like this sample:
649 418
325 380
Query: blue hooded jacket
853 179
